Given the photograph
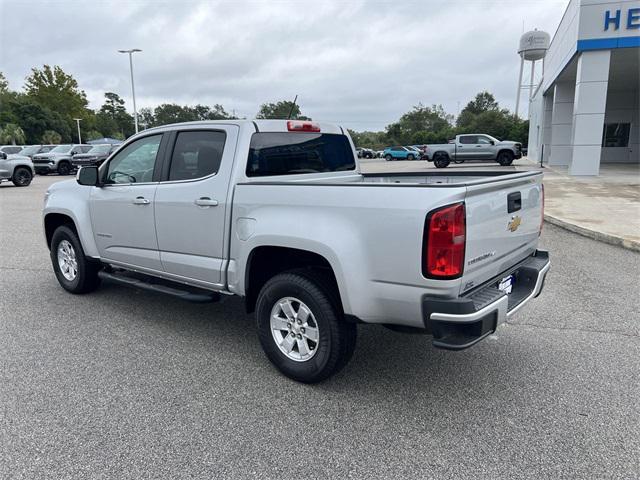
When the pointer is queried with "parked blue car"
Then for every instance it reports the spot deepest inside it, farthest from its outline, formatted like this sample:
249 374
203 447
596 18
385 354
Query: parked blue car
401 153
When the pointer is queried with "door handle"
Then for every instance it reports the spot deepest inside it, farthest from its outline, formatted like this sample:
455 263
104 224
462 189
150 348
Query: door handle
206 202
141 201
478 146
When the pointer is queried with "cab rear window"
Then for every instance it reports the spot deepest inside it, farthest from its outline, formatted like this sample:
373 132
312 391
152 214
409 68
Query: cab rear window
290 153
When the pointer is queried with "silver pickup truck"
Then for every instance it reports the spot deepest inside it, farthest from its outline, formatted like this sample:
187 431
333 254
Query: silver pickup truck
279 213
473 147
16 168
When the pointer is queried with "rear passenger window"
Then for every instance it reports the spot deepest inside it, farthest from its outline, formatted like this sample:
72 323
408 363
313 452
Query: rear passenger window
196 154
468 140
290 153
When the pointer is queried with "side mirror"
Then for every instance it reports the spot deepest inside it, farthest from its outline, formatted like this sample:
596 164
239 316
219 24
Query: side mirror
88 176
492 142
3 156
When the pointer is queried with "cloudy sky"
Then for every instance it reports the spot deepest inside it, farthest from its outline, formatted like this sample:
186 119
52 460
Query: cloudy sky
361 63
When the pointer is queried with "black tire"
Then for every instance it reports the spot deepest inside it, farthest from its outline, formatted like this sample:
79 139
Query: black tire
411 157
388 157
64 168
22 177
505 158
337 338
86 279
441 160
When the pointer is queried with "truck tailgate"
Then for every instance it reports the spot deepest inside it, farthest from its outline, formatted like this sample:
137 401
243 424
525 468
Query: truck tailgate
503 225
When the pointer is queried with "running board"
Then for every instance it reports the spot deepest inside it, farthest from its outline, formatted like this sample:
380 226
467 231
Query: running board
198 297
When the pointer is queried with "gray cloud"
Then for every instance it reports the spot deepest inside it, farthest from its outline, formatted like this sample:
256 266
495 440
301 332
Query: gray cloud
361 63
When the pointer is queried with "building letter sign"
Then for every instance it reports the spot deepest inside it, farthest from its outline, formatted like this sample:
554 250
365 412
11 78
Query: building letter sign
633 19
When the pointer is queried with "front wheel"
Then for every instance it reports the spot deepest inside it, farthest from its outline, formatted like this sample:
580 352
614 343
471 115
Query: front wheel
75 273
301 326
411 157
22 177
64 168
505 158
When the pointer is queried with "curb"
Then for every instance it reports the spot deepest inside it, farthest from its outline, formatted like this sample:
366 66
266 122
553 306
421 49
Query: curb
593 234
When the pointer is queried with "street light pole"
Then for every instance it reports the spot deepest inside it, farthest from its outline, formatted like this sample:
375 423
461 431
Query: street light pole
78 123
133 88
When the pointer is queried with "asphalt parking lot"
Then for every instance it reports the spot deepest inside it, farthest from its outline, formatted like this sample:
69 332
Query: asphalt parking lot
129 384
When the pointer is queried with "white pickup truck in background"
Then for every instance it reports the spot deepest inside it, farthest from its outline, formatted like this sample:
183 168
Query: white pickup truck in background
474 147
279 213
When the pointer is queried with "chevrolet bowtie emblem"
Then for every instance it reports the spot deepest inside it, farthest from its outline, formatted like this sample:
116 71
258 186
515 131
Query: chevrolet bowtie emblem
515 222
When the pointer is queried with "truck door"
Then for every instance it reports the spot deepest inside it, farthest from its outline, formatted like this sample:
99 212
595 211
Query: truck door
191 202
484 148
122 211
465 147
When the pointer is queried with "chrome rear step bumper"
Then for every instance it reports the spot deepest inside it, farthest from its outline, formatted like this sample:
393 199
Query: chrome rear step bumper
460 323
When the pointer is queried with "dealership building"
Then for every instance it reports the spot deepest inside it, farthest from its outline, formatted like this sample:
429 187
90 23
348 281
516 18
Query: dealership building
585 111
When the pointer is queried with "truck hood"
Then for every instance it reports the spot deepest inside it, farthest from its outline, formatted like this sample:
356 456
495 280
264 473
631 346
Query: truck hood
47 156
507 143
15 156
68 185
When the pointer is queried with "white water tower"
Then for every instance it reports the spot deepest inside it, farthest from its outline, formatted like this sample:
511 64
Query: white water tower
533 47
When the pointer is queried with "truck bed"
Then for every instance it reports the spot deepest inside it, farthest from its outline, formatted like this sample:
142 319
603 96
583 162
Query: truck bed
373 235
415 179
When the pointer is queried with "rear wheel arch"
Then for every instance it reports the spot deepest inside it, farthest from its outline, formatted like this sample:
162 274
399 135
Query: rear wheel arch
265 262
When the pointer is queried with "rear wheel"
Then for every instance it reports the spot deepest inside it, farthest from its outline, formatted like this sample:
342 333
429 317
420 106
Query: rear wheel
22 177
441 160
505 158
388 157
75 273
64 168
301 326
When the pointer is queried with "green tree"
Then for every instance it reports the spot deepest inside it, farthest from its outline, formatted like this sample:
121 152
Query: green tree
146 118
484 115
51 137
56 90
4 85
281 110
483 102
13 134
92 135
113 117
421 125
32 117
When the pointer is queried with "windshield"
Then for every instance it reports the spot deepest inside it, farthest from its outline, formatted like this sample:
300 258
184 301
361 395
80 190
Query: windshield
62 149
100 149
30 150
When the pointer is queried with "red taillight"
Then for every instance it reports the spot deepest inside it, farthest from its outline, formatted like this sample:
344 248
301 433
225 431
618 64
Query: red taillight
302 126
541 207
445 239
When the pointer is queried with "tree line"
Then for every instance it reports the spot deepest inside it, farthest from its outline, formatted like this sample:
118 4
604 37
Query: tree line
424 125
51 99
46 109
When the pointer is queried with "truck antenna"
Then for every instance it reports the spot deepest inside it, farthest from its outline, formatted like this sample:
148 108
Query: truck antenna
292 106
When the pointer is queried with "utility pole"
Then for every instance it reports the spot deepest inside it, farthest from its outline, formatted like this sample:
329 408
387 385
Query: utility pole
133 88
78 120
